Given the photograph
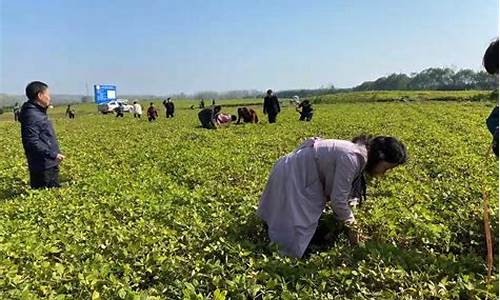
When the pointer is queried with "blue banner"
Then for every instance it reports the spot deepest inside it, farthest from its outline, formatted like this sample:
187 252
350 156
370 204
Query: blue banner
104 93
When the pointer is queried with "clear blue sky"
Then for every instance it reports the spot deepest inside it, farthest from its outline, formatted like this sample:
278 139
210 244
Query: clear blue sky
161 47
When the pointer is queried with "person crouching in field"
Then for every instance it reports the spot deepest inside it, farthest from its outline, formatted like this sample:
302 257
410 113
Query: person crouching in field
248 115
39 138
306 110
490 62
320 171
152 112
137 110
208 116
224 119
70 112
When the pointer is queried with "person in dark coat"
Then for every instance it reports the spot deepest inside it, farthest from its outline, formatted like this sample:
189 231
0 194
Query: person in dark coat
490 62
70 112
169 108
306 110
208 116
248 115
39 138
119 110
202 104
271 106
16 111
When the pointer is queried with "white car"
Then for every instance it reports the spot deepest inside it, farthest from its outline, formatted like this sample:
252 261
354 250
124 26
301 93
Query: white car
110 106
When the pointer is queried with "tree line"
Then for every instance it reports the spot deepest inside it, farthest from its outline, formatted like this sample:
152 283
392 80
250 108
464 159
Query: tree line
433 79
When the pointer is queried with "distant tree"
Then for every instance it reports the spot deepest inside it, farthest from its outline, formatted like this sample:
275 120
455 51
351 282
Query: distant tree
87 99
433 79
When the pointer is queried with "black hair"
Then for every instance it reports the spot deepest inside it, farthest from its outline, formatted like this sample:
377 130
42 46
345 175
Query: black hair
490 58
217 108
382 148
150 104
233 118
34 88
135 102
269 91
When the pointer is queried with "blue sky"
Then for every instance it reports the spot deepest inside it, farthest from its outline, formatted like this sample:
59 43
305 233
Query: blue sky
162 47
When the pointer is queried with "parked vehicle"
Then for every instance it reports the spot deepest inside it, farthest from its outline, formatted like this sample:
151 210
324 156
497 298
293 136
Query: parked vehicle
110 106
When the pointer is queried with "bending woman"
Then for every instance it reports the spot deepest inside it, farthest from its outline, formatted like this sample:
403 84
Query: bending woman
318 171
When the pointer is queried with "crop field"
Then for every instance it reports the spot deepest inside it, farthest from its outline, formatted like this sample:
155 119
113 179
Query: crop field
166 210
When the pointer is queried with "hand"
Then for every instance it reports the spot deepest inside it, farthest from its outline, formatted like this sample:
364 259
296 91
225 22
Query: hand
356 237
60 157
353 236
353 233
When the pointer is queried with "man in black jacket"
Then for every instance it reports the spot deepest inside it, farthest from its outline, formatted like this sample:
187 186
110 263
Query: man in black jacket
39 139
271 106
169 107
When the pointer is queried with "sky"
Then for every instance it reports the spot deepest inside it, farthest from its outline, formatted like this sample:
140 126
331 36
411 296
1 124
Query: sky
164 47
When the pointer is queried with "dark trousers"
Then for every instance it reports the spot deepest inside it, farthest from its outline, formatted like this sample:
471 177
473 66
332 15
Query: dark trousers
306 117
151 118
137 115
170 114
16 116
119 114
48 178
272 117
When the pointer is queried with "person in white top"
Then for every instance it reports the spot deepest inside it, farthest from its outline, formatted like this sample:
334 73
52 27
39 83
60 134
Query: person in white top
137 110
317 172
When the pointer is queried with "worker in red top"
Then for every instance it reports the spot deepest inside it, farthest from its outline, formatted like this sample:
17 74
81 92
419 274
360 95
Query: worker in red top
152 112
248 115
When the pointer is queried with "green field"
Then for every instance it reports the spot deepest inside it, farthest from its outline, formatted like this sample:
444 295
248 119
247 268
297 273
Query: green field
165 210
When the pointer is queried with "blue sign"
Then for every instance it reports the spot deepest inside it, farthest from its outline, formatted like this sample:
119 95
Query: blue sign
104 93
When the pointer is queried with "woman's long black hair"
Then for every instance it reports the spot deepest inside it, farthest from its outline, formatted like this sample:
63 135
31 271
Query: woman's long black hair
380 148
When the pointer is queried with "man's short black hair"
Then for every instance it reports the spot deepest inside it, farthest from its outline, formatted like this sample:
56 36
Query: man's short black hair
34 88
269 91
490 58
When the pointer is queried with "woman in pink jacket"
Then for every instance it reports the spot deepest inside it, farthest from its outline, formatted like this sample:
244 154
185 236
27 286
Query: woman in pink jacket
321 171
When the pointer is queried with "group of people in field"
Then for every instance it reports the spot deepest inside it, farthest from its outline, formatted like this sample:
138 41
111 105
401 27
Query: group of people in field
152 112
300 184
212 117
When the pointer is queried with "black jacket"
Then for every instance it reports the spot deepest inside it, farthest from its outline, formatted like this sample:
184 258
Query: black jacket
271 105
169 106
38 136
207 117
